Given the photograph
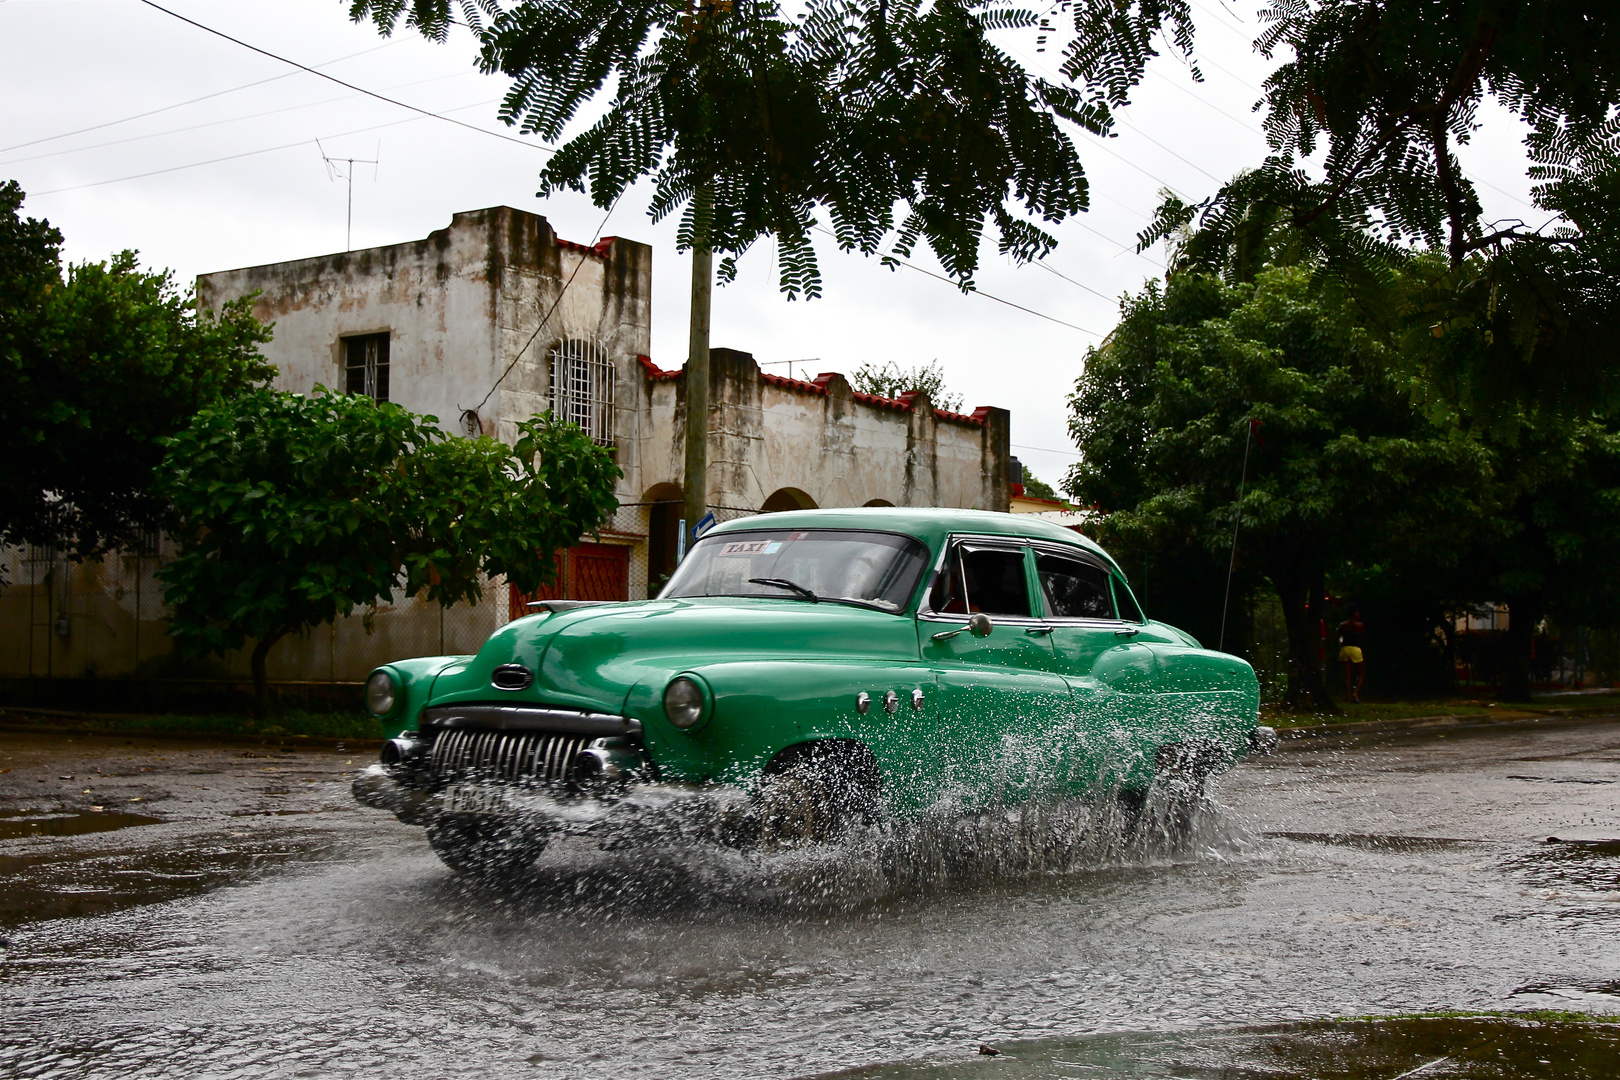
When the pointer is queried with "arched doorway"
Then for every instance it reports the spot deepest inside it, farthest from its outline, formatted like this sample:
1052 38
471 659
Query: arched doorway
663 533
877 502
787 499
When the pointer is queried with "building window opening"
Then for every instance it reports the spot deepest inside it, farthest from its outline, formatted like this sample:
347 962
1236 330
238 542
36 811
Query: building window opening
365 366
582 388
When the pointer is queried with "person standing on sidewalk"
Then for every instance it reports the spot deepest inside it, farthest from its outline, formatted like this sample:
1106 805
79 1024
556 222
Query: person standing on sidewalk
1351 631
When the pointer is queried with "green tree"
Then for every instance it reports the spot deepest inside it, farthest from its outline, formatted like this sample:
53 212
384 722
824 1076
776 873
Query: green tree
1342 467
890 380
99 368
297 510
1365 119
1035 486
900 120
1547 550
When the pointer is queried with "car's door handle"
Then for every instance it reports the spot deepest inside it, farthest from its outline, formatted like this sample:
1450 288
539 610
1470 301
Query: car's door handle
1040 629
1129 631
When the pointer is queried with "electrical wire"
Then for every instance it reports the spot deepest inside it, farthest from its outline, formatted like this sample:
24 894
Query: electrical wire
1071 281
597 235
1172 153
349 85
244 154
997 299
897 261
183 104
217 123
1207 104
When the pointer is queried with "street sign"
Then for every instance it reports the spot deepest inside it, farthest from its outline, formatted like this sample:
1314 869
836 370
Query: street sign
705 523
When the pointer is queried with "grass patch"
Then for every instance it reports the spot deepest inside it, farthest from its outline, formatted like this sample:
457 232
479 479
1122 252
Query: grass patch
1544 1016
288 723
1579 701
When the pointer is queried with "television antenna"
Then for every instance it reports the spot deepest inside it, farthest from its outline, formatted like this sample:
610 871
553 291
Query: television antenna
335 169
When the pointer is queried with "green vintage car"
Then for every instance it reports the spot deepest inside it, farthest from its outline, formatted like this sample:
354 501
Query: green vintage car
803 673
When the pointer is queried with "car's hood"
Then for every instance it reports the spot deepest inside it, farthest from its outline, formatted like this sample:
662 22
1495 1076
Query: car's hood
592 656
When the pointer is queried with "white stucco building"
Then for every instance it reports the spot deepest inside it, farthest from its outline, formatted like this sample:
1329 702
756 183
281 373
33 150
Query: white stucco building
484 324
495 318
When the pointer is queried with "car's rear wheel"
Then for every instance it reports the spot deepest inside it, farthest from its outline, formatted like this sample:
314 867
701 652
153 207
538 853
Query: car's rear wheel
817 794
475 845
1180 792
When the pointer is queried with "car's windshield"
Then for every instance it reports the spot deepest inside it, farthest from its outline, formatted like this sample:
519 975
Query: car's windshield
872 568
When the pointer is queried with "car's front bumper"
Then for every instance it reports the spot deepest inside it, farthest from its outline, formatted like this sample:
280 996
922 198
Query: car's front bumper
640 810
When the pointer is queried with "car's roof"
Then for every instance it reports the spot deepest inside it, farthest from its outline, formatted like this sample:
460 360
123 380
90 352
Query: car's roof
929 524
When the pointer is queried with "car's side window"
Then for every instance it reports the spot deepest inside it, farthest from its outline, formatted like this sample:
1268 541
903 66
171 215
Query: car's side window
990 580
1127 604
1073 589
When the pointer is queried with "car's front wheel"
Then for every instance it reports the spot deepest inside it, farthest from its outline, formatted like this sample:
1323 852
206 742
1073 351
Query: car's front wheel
817 794
479 846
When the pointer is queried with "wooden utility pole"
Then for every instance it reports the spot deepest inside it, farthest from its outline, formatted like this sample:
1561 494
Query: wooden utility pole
696 485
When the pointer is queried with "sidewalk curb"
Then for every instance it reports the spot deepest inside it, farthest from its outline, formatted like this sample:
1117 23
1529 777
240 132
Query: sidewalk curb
78 723
1374 727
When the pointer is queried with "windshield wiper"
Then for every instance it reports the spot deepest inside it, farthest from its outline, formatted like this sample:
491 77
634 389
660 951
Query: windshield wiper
784 583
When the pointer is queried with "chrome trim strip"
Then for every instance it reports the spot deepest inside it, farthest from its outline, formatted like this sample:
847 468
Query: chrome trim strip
528 718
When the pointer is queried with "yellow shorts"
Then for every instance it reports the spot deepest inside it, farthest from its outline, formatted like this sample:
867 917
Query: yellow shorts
1350 654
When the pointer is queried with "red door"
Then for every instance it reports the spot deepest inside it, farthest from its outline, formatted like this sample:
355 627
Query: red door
584 572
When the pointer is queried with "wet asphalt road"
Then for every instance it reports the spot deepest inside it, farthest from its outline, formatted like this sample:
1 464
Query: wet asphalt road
248 920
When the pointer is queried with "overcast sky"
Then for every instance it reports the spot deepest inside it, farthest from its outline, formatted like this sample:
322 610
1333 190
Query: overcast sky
237 180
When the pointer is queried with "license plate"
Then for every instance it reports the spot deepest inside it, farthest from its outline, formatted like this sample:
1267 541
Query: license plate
474 799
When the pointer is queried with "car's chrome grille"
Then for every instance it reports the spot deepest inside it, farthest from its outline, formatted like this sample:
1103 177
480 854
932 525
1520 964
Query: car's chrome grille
536 757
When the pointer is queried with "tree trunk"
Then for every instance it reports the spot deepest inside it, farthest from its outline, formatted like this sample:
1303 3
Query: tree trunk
1305 687
696 486
261 684
1524 613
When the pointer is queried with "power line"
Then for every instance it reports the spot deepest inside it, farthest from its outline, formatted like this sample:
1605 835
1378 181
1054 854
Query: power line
348 85
1071 281
216 123
1202 101
244 154
1169 151
1124 248
896 260
183 104
560 292
1047 450
997 299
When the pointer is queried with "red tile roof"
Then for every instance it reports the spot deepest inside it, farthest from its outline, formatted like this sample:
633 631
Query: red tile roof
600 250
819 385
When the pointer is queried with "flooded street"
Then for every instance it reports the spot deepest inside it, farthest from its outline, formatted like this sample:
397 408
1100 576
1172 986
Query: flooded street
246 919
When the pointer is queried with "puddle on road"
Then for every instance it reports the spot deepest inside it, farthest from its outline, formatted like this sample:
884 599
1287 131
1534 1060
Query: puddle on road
55 886
1372 841
1434 1048
17 824
1577 881
1592 996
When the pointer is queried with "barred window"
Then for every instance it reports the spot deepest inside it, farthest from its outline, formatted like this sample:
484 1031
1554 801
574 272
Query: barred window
582 387
365 366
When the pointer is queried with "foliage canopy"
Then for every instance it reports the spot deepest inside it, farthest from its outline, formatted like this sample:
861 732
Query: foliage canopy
99 367
1201 374
854 107
890 380
297 510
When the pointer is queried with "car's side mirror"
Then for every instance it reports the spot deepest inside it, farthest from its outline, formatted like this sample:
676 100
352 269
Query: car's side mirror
978 624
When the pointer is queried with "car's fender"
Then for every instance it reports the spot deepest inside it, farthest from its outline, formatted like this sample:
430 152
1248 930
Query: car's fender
761 707
414 679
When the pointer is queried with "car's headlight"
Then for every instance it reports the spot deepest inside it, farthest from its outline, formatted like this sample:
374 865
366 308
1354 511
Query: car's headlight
381 693
684 702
